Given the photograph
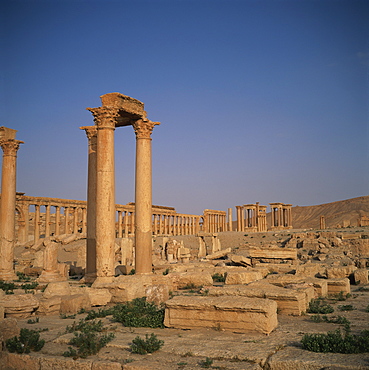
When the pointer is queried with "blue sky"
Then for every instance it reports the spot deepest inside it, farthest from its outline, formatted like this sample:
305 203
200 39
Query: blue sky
259 101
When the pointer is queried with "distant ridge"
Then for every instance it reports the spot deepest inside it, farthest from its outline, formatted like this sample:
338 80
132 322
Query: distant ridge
337 214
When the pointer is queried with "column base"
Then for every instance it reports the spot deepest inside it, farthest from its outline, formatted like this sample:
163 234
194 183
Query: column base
8 275
50 276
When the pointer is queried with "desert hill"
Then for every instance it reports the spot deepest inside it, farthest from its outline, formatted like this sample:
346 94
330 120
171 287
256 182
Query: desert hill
337 214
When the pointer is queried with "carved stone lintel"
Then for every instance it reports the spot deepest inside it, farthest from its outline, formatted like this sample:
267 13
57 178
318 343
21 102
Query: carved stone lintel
105 117
143 128
10 147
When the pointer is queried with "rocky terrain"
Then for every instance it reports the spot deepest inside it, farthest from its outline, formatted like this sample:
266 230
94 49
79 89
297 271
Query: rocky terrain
289 267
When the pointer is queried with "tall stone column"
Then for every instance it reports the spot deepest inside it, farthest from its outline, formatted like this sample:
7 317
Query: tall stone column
143 196
7 208
47 221
57 220
37 223
105 121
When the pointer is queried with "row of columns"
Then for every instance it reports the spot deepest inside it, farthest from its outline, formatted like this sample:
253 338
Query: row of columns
117 110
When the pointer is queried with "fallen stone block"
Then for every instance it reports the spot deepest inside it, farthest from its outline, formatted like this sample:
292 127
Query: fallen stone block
19 305
157 294
274 252
71 304
335 286
238 314
361 276
240 260
191 279
57 288
244 277
219 254
49 306
21 361
339 271
280 268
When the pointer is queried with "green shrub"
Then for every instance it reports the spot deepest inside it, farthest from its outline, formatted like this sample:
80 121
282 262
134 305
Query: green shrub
87 338
333 319
206 363
318 306
139 313
30 321
22 276
7 287
101 312
346 307
336 342
87 344
148 345
219 278
85 326
29 286
29 340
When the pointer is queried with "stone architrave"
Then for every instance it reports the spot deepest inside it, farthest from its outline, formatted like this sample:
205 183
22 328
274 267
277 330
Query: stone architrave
10 147
105 120
90 274
143 196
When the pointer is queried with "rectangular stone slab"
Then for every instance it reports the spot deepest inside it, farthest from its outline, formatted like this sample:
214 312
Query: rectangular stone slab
238 314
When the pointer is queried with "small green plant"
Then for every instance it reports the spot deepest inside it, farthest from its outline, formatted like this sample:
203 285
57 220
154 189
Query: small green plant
362 289
148 345
7 287
219 278
166 272
318 306
29 287
333 319
64 316
101 312
87 338
367 309
30 321
22 276
132 272
87 344
85 326
346 307
28 340
341 296
139 313
206 363
337 342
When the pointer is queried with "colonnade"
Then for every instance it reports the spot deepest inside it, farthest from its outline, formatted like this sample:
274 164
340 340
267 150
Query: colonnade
281 216
215 221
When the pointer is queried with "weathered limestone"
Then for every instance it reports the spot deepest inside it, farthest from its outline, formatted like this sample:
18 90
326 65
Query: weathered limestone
105 121
289 301
191 279
90 274
71 304
238 314
361 276
51 271
242 277
10 147
274 253
143 196
19 305
336 286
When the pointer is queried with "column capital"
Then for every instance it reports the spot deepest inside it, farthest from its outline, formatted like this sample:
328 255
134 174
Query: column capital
143 128
91 131
105 117
10 147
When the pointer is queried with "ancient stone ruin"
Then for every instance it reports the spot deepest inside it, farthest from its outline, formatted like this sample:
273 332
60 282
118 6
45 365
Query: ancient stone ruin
238 279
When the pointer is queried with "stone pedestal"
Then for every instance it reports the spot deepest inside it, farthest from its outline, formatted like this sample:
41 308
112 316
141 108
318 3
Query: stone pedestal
10 147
